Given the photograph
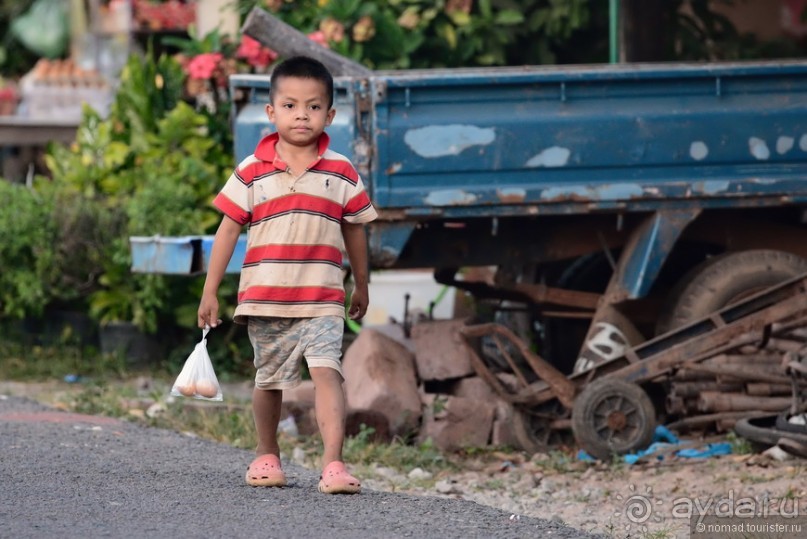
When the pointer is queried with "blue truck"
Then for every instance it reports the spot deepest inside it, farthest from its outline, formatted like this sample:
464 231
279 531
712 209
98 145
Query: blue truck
616 202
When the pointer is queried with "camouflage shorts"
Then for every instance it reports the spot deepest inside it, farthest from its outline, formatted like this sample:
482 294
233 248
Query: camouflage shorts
280 344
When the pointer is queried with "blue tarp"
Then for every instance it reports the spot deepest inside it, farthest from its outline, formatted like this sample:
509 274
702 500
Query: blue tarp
664 438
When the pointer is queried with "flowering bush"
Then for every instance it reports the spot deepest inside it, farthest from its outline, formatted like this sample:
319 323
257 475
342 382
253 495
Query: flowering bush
255 54
400 34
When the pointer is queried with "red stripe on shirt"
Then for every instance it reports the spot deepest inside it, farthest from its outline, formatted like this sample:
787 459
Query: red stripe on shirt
294 253
250 172
336 166
297 202
357 203
292 294
231 209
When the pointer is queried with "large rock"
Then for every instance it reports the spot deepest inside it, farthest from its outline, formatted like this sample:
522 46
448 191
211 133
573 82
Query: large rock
440 352
380 377
454 422
474 388
477 389
502 434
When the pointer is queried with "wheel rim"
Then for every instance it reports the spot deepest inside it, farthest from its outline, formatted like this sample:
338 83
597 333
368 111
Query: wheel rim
617 420
538 427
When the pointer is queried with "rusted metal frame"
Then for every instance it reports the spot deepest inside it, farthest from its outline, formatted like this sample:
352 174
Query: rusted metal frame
535 394
540 293
561 387
617 364
486 374
662 361
509 359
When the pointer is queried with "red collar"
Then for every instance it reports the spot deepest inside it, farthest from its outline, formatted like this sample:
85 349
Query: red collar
265 151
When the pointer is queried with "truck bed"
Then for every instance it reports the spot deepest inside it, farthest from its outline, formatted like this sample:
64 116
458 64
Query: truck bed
573 139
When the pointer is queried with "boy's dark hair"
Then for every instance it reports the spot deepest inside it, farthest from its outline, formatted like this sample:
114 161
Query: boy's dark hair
302 67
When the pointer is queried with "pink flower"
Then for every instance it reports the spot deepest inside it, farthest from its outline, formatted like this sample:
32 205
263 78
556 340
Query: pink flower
254 53
319 37
202 66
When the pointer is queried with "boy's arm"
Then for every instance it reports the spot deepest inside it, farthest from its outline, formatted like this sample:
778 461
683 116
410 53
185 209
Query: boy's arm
223 247
356 247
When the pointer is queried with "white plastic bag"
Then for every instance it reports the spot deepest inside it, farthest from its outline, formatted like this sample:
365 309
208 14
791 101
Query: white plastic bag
197 378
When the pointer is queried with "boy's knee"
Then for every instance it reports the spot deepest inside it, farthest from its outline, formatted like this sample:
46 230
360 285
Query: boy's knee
325 375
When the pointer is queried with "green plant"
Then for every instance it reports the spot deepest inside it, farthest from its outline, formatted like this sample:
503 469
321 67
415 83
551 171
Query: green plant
402 34
16 59
149 168
32 362
26 252
739 445
361 450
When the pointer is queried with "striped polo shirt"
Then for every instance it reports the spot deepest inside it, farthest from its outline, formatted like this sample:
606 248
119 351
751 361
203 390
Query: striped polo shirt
293 263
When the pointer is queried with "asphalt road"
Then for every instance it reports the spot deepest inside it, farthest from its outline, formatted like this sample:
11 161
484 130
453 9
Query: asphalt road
74 476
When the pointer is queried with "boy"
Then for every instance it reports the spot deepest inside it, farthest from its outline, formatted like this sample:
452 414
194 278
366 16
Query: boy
301 202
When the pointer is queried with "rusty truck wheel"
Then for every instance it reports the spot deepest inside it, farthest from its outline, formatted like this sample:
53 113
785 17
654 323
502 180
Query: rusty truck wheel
611 416
723 280
535 428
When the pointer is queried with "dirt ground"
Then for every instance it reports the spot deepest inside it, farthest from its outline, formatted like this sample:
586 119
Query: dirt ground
653 499
621 500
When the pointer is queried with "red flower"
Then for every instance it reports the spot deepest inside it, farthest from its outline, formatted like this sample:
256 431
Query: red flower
202 66
254 53
319 37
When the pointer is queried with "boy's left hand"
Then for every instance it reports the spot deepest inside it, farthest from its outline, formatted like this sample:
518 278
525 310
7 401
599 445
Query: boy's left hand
358 304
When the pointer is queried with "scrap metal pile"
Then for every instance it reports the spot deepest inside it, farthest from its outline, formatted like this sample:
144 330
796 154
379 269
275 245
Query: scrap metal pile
742 362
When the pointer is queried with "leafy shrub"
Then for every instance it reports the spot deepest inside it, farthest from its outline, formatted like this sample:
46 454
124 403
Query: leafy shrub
26 253
402 34
149 168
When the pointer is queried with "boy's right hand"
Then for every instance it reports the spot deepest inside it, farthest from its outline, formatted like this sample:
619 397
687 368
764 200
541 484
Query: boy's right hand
208 311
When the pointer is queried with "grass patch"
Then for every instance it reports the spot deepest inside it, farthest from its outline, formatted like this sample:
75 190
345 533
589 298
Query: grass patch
232 423
397 454
28 362
739 445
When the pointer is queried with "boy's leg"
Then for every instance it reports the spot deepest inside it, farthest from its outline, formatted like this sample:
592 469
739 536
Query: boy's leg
266 411
329 404
265 470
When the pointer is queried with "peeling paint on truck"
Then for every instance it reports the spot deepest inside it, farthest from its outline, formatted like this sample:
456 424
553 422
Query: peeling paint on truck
555 156
450 197
698 150
758 148
442 140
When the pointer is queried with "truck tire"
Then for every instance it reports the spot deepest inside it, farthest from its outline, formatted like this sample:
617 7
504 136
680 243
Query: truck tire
611 416
725 279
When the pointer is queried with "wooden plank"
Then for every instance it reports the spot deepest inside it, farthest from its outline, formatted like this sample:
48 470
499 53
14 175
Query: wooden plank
288 41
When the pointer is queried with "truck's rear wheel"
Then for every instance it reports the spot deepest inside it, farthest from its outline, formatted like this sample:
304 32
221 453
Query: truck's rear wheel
723 280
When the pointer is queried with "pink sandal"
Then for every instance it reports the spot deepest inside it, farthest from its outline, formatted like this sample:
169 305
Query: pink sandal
336 480
265 471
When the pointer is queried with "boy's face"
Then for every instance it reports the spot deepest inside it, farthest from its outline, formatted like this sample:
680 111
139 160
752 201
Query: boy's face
300 110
